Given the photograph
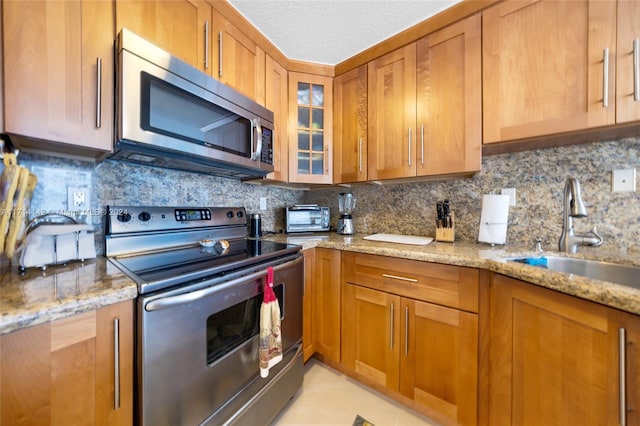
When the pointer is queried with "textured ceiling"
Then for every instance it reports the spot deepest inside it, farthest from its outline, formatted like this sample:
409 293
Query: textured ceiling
330 31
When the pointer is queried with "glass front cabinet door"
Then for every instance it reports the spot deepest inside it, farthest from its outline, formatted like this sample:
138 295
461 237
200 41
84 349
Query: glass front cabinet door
310 141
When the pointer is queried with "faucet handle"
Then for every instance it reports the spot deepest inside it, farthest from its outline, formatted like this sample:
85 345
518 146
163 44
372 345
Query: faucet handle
594 231
538 246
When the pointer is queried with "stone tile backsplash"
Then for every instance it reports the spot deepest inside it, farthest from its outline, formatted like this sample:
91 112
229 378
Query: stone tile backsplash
538 176
404 208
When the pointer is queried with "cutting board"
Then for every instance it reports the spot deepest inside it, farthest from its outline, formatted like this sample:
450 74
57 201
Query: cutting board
400 239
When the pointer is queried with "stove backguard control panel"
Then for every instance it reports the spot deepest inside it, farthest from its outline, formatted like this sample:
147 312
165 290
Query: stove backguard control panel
127 219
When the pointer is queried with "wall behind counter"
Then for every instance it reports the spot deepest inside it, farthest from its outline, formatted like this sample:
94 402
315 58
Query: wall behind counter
120 183
538 176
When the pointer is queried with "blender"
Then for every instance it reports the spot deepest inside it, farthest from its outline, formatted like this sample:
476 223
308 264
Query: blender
346 205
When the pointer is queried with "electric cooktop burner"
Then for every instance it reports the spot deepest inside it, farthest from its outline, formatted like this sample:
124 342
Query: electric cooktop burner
161 247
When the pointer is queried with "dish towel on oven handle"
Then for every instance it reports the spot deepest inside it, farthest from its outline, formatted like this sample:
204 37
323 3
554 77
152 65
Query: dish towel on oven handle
270 338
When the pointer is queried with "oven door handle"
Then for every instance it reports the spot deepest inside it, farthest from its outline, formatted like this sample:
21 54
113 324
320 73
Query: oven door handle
182 299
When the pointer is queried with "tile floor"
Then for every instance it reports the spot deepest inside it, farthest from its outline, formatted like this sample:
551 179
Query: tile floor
330 398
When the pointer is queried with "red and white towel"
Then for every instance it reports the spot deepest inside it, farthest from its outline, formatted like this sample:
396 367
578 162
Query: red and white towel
270 338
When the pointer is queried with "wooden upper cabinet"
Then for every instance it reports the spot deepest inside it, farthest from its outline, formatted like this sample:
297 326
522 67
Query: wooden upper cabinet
628 50
544 67
449 102
178 26
276 100
392 115
350 126
237 60
310 128
58 65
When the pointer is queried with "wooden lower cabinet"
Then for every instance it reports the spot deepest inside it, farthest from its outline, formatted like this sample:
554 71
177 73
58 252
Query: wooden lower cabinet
64 372
424 352
554 358
326 304
307 303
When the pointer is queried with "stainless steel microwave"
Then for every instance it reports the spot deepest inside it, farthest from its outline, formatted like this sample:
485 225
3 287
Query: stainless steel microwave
172 115
306 218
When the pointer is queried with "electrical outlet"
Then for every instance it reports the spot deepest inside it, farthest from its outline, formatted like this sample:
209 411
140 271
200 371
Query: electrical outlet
511 192
78 198
623 180
263 203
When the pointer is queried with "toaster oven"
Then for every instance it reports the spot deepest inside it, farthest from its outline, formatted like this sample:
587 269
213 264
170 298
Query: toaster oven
306 218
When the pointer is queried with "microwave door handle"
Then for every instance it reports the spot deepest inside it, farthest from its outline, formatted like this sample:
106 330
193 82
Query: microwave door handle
255 155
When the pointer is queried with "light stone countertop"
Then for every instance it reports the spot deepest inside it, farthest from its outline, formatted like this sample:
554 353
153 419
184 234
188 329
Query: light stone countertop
483 256
37 296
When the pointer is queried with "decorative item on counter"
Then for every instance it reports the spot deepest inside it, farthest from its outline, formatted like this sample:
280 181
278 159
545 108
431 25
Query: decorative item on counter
270 337
445 222
16 189
53 239
494 219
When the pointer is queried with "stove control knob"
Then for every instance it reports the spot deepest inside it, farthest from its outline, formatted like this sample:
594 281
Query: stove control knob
240 213
230 214
144 217
123 217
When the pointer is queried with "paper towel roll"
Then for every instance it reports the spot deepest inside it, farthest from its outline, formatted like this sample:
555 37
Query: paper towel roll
494 219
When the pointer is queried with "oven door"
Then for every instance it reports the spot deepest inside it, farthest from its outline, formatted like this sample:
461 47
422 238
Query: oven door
198 349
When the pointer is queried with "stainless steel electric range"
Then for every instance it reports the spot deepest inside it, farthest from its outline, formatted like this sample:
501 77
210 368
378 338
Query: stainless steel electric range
200 286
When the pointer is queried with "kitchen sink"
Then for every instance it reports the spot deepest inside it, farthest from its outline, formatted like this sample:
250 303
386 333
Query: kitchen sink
599 270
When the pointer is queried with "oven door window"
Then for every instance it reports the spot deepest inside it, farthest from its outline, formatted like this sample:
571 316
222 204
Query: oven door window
230 328
171 111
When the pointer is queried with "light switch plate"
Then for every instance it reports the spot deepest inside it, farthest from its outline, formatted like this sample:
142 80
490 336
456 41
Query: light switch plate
623 180
263 203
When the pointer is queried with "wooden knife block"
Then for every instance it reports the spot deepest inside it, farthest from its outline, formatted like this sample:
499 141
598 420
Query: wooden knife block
447 234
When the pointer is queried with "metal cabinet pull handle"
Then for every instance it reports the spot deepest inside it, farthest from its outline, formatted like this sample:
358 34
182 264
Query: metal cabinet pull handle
220 54
605 78
406 331
206 44
409 144
360 155
326 159
422 144
391 328
622 338
636 70
397 277
116 363
99 93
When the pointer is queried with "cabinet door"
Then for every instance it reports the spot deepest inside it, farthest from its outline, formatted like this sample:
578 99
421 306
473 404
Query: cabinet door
180 27
63 372
543 67
276 100
632 373
114 330
391 146
58 62
239 62
311 126
326 318
350 126
449 105
307 303
628 74
553 358
370 334
439 360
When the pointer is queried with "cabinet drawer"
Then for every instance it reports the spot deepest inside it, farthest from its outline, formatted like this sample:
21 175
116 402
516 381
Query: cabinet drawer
446 285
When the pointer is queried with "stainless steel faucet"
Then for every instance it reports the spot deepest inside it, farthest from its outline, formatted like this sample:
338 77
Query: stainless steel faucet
574 207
